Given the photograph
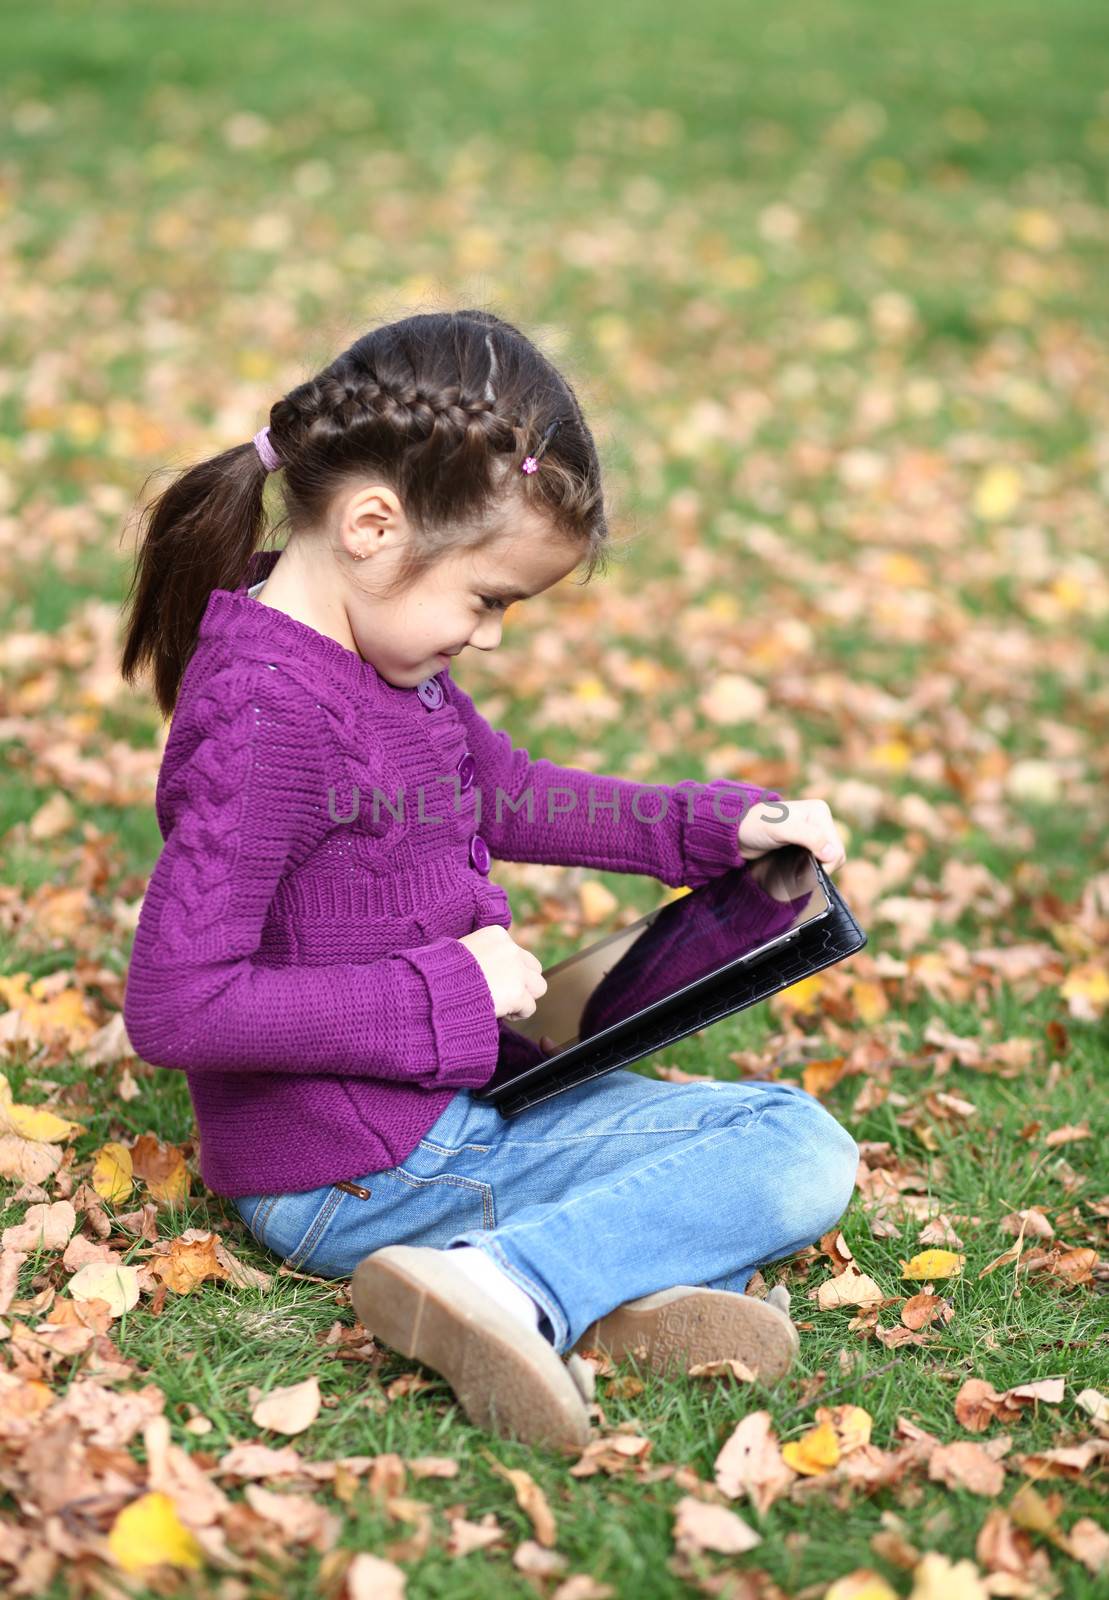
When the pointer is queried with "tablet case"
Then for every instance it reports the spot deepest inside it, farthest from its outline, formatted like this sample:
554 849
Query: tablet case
808 950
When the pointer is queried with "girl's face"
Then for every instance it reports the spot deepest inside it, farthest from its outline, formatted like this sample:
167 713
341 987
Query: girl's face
460 602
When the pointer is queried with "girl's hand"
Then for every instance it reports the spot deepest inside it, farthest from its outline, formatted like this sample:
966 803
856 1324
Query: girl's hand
805 822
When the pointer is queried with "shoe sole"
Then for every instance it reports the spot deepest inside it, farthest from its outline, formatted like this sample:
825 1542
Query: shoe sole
683 1327
508 1380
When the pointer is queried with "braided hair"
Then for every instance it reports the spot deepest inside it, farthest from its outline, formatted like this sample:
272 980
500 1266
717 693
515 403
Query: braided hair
444 407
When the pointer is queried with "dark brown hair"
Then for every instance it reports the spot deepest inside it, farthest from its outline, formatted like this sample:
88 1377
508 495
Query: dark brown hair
442 406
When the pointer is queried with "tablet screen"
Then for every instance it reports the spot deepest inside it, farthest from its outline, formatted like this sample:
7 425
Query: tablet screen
736 915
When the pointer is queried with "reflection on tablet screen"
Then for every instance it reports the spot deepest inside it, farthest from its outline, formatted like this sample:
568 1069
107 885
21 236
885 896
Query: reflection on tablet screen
737 915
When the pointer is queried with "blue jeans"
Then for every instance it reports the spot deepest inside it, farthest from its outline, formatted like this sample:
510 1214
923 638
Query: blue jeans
604 1193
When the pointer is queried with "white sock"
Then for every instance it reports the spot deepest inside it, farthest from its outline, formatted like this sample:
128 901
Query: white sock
484 1271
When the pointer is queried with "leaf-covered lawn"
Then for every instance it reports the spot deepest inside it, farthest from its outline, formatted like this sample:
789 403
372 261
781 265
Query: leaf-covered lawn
830 281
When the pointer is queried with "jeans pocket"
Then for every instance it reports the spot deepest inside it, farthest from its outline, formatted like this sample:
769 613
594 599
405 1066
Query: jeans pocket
283 1223
402 1207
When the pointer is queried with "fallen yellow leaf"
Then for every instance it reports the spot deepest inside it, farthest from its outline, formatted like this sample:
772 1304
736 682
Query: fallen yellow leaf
851 1425
106 1280
45 1014
820 1076
997 492
870 1000
933 1264
597 902
33 1122
936 1578
1085 991
111 1172
148 1532
892 756
861 1585
802 996
815 1452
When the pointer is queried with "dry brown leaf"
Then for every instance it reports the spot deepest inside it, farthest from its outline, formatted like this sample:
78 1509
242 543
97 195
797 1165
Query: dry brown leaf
1063 1461
46 1226
537 1562
750 1462
1091 1401
27 1160
368 1577
1089 1543
409 1383
1049 1390
416 1544
582 1586
626 1386
612 1453
530 1498
700 1526
188 1262
253 1460
939 1231
162 1168
848 1288
290 1408
301 1519
965 1465
731 1367
432 1466
920 1310
1070 1134
465 1537
1031 1221
1004 1547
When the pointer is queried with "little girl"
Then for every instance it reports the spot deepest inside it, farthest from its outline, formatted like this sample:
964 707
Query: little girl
322 951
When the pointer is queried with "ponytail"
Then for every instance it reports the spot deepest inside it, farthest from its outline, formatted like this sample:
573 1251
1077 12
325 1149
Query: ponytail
200 533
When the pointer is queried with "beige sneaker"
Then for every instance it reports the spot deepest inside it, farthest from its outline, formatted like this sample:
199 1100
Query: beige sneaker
509 1379
685 1325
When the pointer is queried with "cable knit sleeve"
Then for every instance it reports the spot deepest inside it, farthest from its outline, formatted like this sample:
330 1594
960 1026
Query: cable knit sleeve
684 834
250 802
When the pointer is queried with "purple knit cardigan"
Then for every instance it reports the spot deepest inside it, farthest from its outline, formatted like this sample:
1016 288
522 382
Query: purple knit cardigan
327 839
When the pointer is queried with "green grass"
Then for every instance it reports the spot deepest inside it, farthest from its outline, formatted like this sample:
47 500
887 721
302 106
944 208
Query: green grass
201 206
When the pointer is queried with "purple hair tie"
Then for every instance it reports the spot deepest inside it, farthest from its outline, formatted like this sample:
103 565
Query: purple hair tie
269 457
531 463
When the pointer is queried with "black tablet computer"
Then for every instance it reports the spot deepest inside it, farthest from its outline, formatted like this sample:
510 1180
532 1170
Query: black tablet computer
734 941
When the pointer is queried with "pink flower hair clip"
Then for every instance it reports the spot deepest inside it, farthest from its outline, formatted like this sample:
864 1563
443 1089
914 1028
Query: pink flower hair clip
531 463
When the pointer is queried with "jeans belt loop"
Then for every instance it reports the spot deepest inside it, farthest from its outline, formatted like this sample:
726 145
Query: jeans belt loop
354 1188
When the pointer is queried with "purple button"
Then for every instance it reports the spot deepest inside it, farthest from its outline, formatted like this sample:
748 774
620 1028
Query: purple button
479 853
430 692
466 769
